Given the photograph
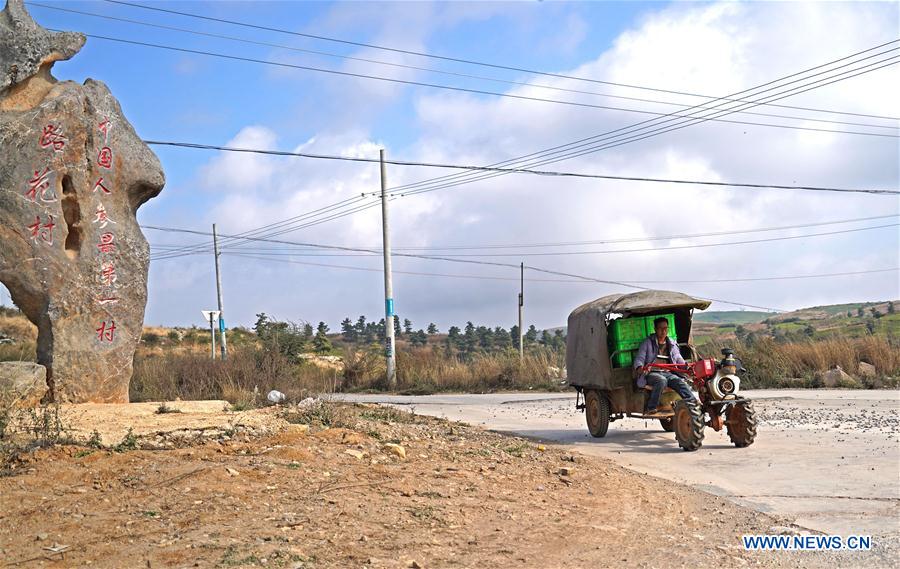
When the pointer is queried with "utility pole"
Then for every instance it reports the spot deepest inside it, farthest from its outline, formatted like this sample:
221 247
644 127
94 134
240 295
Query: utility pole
388 283
521 308
219 294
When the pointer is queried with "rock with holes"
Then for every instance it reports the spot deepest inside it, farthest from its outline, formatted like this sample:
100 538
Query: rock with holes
72 175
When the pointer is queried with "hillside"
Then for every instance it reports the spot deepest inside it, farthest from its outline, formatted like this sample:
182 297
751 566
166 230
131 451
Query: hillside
731 317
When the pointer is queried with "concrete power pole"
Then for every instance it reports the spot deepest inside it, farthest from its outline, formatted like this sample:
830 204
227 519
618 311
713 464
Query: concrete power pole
521 309
224 344
388 283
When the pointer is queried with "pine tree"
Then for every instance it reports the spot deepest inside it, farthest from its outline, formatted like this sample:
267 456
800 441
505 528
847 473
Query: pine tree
397 332
321 343
348 331
322 328
360 327
433 329
407 326
531 335
891 307
514 336
307 331
545 338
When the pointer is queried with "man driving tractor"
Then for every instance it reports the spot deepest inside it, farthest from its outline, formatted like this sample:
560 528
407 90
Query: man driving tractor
659 348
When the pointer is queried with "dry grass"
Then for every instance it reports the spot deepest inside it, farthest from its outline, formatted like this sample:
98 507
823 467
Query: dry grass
243 379
771 364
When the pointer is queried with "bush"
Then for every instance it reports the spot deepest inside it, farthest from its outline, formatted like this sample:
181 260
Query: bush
775 364
243 379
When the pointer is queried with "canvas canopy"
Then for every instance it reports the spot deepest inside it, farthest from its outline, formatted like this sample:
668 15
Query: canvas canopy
587 354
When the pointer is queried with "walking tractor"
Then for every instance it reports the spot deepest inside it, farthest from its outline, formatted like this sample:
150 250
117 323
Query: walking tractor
603 341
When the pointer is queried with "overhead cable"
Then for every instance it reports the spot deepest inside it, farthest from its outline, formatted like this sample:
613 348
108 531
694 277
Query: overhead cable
441 71
453 88
462 60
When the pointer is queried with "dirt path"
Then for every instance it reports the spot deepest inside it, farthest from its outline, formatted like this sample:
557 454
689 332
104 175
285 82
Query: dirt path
341 497
827 459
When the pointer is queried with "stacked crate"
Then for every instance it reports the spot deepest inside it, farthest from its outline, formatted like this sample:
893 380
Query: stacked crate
626 335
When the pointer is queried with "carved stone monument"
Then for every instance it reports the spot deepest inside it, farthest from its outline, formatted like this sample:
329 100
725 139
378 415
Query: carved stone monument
72 175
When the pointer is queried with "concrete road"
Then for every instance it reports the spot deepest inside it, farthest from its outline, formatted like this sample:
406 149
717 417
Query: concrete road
828 459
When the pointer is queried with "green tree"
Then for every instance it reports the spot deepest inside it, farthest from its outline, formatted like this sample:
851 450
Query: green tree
360 327
407 326
531 335
453 337
321 343
546 338
322 328
348 331
307 331
860 312
469 339
397 332
874 312
418 338
433 329
514 336
891 307
809 331
502 341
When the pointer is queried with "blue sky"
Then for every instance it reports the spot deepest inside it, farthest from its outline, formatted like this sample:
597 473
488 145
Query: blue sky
696 47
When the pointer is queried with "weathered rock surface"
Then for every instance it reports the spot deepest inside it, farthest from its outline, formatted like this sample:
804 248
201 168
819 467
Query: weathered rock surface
866 370
22 384
836 377
72 175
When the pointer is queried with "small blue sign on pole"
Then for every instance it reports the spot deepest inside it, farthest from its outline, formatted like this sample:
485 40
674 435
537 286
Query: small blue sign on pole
389 307
221 325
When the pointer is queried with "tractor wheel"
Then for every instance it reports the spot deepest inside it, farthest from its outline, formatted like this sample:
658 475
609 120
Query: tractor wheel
688 425
741 424
596 410
668 424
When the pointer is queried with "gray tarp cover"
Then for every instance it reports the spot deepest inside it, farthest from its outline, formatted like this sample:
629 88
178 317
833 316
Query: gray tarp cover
587 357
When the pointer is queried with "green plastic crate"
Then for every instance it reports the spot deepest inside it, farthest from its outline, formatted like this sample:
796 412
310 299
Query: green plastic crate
624 353
648 321
626 335
628 330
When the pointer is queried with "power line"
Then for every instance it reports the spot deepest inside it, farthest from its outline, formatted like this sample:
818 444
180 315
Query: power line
631 239
454 260
453 88
461 60
438 71
605 252
577 281
565 151
517 170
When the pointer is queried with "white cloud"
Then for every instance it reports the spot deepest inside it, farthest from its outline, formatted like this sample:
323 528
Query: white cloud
714 49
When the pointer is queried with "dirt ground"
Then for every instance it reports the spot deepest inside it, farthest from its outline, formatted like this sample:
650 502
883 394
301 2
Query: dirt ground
339 495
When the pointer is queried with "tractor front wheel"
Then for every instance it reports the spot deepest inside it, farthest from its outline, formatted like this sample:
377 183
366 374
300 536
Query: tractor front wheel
596 411
741 424
688 425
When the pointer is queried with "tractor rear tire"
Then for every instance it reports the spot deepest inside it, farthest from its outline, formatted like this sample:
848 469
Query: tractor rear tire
688 423
668 424
596 411
741 424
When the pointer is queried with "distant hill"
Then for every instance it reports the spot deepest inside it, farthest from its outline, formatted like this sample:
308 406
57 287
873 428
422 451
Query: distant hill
731 317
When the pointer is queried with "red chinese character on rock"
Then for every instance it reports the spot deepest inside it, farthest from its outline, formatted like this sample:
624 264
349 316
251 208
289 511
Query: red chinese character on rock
107 332
102 217
39 183
52 135
99 186
104 128
107 244
104 158
43 232
108 273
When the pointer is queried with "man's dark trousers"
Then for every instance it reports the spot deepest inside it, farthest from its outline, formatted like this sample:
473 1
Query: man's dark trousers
659 380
